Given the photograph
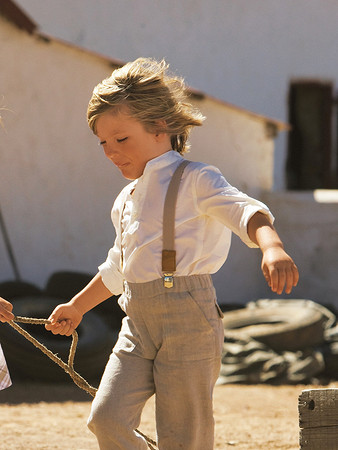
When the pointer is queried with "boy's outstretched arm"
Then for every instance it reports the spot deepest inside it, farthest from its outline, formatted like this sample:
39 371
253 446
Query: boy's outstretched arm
67 316
277 266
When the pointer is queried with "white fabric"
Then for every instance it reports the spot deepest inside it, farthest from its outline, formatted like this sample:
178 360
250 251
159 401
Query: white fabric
208 210
5 380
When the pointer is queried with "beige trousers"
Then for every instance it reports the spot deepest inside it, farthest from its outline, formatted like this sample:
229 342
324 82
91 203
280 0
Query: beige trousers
169 345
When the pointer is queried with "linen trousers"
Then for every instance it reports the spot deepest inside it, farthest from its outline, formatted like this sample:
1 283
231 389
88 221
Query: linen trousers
169 345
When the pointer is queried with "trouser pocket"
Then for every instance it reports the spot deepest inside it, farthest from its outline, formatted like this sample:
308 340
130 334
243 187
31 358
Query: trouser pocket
193 329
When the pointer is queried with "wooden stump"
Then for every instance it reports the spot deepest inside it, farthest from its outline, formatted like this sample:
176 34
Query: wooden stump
318 419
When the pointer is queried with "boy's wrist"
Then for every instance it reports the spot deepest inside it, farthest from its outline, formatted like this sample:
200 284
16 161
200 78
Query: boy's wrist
76 303
276 246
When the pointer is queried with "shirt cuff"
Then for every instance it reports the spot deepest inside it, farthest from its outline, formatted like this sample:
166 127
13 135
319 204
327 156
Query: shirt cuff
111 278
251 210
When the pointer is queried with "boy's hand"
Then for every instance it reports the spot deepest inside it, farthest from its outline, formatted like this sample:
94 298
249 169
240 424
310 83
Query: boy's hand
6 310
277 266
279 270
64 319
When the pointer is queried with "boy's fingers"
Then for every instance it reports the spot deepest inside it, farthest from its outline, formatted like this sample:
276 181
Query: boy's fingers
63 326
274 280
54 322
289 282
6 315
52 327
295 273
292 277
267 277
282 279
55 316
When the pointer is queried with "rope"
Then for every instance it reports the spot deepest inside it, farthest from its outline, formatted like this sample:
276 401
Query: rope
68 368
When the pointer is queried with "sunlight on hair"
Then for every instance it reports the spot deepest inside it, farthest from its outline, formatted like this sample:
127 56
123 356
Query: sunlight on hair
152 95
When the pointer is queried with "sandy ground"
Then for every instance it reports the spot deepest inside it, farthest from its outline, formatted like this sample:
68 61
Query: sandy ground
34 417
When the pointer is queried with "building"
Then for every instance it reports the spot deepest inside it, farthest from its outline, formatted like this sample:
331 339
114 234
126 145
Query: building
56 188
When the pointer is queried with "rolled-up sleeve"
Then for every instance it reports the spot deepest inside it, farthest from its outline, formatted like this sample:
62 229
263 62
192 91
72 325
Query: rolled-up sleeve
110 273
110 270
218 199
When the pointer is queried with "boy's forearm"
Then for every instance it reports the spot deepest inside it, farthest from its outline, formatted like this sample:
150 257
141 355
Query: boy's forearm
92 295
263 233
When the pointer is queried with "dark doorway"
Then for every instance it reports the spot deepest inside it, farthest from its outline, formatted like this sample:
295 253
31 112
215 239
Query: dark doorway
311 162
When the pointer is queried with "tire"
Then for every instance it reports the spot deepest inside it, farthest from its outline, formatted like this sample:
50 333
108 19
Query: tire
280 324
10 290
330 354
96 341
65 285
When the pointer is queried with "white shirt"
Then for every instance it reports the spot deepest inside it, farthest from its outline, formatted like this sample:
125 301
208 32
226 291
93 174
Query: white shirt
208 209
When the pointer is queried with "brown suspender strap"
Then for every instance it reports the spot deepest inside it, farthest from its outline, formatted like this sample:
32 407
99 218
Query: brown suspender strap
168 252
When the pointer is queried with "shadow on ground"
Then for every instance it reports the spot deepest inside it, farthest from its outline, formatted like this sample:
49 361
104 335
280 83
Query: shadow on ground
41 392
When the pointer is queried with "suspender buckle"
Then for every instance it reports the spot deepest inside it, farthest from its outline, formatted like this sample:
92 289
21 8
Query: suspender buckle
168 280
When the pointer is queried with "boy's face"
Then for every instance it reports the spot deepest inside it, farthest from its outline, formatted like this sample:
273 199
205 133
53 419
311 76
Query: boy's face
127 144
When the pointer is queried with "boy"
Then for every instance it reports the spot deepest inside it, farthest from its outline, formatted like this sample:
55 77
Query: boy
171 338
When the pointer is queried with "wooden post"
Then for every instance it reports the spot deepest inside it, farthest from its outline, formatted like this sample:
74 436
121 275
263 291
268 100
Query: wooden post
318 419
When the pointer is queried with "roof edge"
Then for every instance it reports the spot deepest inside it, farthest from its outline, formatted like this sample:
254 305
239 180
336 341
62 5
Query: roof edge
16 15
280 125
115 63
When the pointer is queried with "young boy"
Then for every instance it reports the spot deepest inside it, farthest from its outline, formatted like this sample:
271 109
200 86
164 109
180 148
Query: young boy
5 315
171 338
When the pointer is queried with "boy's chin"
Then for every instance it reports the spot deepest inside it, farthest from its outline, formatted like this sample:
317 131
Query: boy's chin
130 174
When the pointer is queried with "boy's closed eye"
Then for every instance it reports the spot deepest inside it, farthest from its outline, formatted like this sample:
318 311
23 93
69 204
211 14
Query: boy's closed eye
117 140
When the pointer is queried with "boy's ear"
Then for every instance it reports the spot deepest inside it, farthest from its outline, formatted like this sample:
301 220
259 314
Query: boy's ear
160 129
160 126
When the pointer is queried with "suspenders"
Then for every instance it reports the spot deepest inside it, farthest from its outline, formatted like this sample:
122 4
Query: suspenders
168 252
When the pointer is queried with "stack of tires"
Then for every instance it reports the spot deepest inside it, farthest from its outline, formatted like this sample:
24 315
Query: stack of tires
97 332
275 341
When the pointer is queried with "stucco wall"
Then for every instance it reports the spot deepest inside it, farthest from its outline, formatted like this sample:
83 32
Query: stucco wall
56 186
237 144
307 221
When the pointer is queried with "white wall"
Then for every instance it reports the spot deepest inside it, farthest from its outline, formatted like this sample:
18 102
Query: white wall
237 143
56 188
244 52
307 222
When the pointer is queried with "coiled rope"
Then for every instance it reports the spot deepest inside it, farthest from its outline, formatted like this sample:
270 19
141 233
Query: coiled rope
68 368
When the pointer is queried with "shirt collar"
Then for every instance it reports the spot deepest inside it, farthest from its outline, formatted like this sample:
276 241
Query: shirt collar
161 161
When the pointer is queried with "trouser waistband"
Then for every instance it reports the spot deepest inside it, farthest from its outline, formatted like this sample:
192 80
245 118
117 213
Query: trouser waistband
156 287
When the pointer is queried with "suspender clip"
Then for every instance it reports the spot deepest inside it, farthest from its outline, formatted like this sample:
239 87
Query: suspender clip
168 280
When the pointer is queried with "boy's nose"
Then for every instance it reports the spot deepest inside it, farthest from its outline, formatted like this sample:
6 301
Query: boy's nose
110 150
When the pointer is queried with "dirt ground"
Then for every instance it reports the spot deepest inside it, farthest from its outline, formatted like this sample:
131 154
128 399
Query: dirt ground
36 416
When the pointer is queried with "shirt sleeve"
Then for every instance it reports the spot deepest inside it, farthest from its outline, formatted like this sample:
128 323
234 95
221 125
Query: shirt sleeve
110 270
110 273
216 198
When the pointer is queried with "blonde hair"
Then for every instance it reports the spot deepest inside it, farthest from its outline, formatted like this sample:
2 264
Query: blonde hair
153 96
